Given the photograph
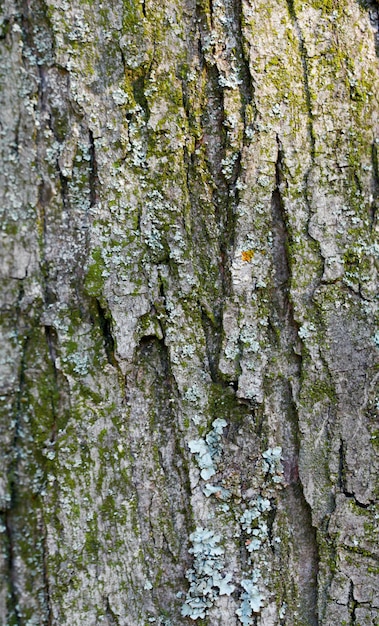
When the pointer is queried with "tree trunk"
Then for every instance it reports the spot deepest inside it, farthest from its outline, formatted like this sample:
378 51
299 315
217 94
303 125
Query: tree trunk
189 352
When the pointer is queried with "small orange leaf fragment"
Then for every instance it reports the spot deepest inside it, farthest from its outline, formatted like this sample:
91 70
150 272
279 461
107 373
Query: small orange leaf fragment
247 255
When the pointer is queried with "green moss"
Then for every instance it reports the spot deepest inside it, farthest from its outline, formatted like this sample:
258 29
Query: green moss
375 437
94 279
224 404
318 390
10 228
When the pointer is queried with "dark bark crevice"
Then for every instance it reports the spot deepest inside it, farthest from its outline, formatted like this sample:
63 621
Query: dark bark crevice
375 184
14 616
51 340
352 605
154 379
281 257
211 13
213 342
45 572
5 28
308 100
246 86
215 140
44 197
371 6
306 553
64 191
105 325
304 61
16 145
93 173
341 468
13 487
298 510
111 616
282 261
139 86
37 31
60 115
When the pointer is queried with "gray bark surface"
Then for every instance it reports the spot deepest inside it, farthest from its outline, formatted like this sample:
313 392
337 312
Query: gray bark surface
189 313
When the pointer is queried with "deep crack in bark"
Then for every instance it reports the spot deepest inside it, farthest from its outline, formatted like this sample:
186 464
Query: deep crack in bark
296 506
13 596
93 177
106 331
304 63
45 571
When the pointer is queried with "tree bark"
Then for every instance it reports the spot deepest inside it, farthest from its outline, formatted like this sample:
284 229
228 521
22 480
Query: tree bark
189 321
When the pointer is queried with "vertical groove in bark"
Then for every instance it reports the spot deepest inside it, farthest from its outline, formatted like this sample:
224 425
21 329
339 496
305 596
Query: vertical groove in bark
373 11
48 621
106 331
213 340
11 513
225 194
352 605
304 62
51 341
375 184
93 177
12 596
293 501
246 87
162 490
341 468
112 619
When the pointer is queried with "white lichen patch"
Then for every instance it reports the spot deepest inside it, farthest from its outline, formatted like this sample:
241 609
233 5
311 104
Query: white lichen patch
252 600
208 450
272 463
205 577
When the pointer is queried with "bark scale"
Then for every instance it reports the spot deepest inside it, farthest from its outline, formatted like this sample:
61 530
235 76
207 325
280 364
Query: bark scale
189 312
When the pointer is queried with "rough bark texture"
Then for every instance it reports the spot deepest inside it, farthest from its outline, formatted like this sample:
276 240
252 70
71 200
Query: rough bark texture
190 329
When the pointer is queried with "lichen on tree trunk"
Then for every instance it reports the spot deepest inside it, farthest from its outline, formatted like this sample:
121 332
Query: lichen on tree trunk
189 322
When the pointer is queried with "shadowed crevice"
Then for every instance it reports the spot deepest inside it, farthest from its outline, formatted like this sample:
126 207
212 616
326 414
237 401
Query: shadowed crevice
93 176
10 513
304 541
352 605
51 341
12 596
375 185
304 63
159 466
246 86
37 31
213 342
111 616
5 28
282 260
372 8
215 142
285 327
139 87
45 571
106 331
